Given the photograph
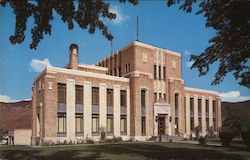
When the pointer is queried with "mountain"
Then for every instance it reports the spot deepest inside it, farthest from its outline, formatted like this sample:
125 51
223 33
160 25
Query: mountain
16 115
242 107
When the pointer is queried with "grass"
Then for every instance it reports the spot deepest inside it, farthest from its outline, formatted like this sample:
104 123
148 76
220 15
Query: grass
128 151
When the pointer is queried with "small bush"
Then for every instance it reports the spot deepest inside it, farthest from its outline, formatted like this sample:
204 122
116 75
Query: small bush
203 141
245 134
90 141
117 139
226 135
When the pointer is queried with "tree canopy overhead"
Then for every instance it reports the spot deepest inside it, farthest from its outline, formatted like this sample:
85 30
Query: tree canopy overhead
230 46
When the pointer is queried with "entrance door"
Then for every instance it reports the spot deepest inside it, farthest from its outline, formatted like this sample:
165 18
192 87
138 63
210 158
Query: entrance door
161 125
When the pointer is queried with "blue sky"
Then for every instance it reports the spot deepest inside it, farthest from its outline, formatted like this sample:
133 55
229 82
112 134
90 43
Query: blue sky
159 25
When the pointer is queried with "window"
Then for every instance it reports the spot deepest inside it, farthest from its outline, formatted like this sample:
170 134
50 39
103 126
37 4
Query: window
143 126
207 107
199 107
155 97
123 124
115 73
191 106
214 108
165 97
164 73
192 124
119 70
79 94
176 125
159 72
143 94
61 123
110 123
109 97
155 74
61 93
123 98
176 101
95 123
129 67
95 96
160 96
79 123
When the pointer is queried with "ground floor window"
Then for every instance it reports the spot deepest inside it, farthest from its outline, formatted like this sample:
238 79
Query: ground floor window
79 123
123 124
176 125
110 123
61 123
143 126
95 123
192 124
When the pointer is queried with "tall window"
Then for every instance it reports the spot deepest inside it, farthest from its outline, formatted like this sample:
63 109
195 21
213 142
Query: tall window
155 97
119 70
143 96
79 94
165 97
61 123
95 123
192 114
79 123
95 96
155 74
123 124
143 126
129 67
164 73
123 98
176 100
159 72
61 93
199 107
214 108
110 123
207 108
192 106
109 97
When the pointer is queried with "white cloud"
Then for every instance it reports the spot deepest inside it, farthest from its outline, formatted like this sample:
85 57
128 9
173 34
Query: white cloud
8 99
187 53
189 63
233 96
120 16
39 65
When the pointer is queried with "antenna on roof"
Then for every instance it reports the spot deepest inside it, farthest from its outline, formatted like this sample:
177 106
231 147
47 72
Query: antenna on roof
137 28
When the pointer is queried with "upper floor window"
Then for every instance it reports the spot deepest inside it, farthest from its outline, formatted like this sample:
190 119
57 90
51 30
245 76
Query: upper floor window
119 71
159 72
207 105
164 73
95 96
61 93
79 94
143 96
191 104
155 74
123 98
109 97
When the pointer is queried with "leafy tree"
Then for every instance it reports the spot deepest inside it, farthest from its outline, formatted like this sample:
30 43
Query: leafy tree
86 13
231 44
230 18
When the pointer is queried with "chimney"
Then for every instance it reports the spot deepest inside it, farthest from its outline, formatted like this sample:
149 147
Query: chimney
73 56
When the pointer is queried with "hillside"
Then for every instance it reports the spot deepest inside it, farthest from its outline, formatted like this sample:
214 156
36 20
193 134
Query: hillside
16 115
243 107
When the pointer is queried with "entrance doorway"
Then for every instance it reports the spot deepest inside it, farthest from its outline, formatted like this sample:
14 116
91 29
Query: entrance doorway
161 125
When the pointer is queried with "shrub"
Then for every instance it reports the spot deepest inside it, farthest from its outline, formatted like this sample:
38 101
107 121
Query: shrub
90 141
226 135
245 134
117 139
203 141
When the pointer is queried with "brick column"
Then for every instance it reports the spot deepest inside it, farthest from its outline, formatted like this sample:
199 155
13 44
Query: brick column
70 108
103 104
117 111
187 115
210 112
87 109
203 115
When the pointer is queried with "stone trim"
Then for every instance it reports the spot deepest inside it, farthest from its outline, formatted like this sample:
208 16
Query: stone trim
200 90
93 67
87 74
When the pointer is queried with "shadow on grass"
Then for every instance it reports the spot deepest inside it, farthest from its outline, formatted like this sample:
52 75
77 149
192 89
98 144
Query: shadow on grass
118 151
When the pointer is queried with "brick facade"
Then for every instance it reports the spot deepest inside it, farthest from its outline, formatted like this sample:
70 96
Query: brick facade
134 68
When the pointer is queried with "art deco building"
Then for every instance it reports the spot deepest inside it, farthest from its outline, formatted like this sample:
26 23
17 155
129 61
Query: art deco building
137 92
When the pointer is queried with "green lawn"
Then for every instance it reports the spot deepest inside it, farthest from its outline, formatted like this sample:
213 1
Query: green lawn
128 151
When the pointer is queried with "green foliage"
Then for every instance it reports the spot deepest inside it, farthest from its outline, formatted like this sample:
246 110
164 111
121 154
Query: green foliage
86 14
226 135
2 133
90 141
230 45
245 134
114 140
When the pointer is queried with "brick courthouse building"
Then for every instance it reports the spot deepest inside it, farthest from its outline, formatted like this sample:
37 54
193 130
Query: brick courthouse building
136 93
